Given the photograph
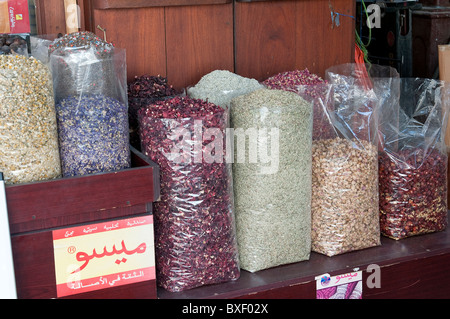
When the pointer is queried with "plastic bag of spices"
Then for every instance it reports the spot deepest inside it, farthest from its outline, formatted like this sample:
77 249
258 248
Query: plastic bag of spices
308 85
413 162
28 131
194 220
379 79
344 204
142 91
272 177
221 87
89 77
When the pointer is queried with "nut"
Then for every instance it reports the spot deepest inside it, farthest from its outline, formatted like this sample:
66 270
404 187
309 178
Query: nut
344 203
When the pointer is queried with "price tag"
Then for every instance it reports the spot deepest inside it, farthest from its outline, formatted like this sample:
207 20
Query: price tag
345 286
104 255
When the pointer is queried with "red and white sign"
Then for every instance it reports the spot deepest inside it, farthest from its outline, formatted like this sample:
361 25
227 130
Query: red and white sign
104 255
14 16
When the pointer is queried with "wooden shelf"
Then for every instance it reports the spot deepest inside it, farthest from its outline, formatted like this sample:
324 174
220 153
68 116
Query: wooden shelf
414 267
130 4
36 209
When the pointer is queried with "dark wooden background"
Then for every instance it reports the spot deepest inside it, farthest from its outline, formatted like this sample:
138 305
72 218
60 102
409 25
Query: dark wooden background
186 39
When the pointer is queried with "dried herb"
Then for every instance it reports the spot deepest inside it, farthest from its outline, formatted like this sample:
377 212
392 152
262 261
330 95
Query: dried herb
221 86
309 86
84 40
413 160
93 135
89 77
13 44
28 130
290 80
194 220
272 198
84 64
142 91
344 203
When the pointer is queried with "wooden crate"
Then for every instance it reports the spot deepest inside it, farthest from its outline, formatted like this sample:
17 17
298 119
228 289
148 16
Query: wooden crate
36 209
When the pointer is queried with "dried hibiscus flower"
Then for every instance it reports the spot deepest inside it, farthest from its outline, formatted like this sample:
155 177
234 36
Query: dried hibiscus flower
194 219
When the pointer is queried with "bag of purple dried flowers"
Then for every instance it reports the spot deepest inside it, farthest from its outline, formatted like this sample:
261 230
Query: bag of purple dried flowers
194 219
89 79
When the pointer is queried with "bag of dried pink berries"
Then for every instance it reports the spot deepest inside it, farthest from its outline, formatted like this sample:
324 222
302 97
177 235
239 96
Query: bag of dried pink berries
413 162
195 235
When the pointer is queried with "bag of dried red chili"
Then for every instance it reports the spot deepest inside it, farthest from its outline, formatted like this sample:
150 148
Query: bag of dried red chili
194 220
413 162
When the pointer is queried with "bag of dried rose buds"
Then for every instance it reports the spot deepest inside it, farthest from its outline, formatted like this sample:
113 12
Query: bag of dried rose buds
413 162
344 204
89 79
194 219
308 85
272 177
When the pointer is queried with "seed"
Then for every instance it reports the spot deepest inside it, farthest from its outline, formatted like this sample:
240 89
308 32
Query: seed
93 135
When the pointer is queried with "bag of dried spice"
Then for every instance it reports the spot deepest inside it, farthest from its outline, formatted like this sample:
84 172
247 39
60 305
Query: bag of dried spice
194 219
272 177
344 204
221 86
142 91
28 130
379 79
308 85
89 78
413 161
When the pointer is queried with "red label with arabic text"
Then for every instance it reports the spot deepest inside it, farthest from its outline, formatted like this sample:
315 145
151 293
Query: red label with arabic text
104 255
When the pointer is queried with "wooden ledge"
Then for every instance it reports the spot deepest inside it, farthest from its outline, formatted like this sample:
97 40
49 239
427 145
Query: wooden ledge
414 267
134 4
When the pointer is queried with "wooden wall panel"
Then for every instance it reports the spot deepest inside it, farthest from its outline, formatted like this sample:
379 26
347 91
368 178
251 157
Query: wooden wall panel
319 43
277 36
141 32
50 16
265 38
199 40
184 41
